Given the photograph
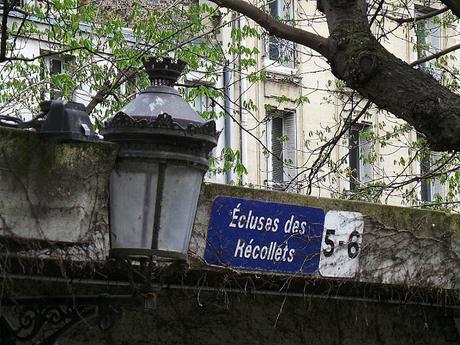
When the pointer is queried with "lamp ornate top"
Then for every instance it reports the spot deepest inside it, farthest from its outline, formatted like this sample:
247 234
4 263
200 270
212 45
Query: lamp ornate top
148 109
163 71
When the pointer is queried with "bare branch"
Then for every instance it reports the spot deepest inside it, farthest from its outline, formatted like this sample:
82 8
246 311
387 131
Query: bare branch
276 28
418 18
436 55
108 87
4 31
6 9
379 8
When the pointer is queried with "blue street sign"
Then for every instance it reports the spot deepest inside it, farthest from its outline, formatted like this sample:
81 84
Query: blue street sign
258 235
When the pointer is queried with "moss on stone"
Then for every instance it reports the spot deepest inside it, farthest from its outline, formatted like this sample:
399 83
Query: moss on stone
52 167
15 143
418 221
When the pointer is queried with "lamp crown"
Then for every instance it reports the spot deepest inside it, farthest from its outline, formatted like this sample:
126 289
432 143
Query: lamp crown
163 71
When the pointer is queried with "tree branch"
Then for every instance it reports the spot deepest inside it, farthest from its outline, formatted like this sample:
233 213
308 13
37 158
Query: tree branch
316 42
418 18
4 31
108 87
454 6
356 57
387 81
436 55
379 8
6 9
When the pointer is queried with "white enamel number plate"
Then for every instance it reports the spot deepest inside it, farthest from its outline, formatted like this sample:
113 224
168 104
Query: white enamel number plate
341 244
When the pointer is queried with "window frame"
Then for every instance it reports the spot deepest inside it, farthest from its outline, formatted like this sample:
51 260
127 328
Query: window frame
357 163
278 65
429 187
288 169
47 73
428 39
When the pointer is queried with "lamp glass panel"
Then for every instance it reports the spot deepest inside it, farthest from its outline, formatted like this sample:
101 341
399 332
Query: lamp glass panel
181 189
133 187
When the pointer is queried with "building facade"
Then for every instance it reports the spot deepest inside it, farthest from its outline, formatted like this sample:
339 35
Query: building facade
285 118
287 140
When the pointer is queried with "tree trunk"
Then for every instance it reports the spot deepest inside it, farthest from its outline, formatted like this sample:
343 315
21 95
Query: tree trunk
454 6
413 95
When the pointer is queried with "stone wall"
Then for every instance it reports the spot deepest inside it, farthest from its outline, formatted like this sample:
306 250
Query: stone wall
51 191
405 290
400 245
202 318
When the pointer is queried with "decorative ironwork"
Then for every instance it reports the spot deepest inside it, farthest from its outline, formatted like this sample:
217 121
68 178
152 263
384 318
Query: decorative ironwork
42 321
163 71
39 322
162 121
209 128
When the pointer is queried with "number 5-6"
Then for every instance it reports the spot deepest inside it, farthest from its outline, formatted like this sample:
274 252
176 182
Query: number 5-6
329 251
352 244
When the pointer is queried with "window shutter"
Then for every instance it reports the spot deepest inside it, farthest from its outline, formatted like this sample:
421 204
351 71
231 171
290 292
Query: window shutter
436 186
366 172
289 147
429 42
274 8
353 157
425 167
277 149
434 41
433 36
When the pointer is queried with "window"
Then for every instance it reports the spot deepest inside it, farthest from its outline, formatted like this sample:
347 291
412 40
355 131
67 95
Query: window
430 188
199 100
278 49
428 34
202 104
281 139
360 155
429 42
52 68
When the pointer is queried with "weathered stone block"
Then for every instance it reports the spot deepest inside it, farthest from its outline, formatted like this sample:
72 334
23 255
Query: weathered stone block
52 191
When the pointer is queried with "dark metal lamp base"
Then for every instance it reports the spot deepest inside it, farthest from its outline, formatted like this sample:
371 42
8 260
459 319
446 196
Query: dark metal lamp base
160 255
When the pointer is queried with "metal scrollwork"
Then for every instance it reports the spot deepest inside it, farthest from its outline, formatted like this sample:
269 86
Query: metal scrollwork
162 121
44 323
121 120
165 121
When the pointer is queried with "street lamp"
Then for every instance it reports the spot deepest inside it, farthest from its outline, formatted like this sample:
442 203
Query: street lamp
154 188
